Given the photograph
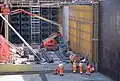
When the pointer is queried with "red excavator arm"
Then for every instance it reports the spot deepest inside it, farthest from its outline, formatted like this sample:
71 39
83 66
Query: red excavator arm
48 41
52 36
33 15
51 43
6 11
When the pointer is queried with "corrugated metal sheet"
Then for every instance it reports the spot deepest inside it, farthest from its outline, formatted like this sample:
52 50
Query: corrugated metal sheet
109 36
80 30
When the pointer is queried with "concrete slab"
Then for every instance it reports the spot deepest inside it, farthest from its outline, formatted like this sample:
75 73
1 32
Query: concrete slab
77 77
30 77
51 77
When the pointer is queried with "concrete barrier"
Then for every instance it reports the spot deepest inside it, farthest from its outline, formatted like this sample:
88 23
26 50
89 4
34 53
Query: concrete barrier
31 67
14 68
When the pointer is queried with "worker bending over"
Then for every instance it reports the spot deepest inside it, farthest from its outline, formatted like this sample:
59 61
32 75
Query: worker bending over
61 69
88 69
56 72
92 68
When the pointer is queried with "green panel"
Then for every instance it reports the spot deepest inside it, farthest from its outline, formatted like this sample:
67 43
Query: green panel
14 68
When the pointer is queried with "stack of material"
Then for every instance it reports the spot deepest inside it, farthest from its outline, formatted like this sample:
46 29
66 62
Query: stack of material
5 55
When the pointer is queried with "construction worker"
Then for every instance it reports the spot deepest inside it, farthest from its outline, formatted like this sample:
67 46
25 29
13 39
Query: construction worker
88 69
56 71
81 67
74 66
61 68
92 69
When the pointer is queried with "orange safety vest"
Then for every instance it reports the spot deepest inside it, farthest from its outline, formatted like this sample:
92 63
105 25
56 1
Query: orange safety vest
81 67
61 69
74 67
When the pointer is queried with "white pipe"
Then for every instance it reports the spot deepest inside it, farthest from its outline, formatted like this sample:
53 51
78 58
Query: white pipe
19 36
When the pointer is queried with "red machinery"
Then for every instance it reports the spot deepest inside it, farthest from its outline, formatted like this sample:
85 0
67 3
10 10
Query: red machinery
4 9
51 43
5 55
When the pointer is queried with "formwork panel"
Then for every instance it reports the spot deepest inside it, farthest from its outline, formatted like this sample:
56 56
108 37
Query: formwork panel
73 31
73 42
72 23
81 27
81 9
73 37
85 28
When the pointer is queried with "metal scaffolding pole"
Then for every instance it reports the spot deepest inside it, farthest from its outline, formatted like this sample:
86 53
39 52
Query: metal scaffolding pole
9 25
6 28
6 25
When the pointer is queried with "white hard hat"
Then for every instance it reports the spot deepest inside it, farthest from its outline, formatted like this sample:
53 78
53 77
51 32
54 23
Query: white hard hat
60 61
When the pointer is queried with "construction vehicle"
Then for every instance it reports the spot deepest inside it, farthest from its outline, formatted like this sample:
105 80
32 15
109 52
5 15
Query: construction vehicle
51 43
6 11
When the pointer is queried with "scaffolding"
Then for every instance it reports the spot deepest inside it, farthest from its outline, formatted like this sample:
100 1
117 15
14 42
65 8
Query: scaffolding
35 26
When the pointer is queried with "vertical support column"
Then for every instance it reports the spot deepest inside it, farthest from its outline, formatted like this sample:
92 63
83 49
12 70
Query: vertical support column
19 36
6 28
65 23
6 25
95 6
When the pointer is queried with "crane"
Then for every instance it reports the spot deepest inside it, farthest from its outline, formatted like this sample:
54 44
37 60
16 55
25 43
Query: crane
19 36
6 11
